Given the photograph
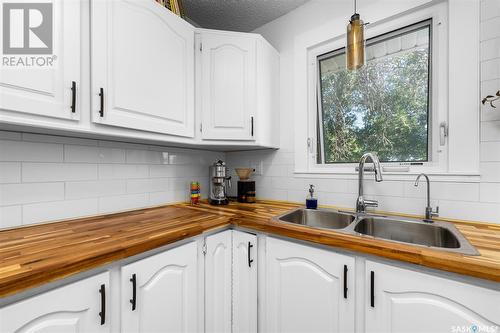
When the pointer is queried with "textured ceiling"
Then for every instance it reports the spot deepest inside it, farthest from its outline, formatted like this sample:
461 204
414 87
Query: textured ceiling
237 15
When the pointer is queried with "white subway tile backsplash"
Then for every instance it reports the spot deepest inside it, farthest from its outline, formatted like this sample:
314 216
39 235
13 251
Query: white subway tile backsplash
96 188
123 202
490 131
33 137
490 49
89 154
145 157
46 172
490 192
489 28
123 171
30 151
58 210
10 216
490 172
147 185
490 151
14 194
490 69
10 172
489 9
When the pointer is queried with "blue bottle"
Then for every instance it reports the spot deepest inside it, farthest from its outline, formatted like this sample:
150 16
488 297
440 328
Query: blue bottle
311 201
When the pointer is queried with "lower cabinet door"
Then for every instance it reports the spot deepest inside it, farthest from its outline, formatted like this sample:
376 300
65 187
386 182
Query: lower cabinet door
308 289
218 267
160 293
401 300
244 282
82 306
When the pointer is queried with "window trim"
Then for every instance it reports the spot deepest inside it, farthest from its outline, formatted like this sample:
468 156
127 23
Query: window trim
427 23
438 163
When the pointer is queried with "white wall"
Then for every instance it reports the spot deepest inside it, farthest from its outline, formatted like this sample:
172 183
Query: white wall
460 200
45 178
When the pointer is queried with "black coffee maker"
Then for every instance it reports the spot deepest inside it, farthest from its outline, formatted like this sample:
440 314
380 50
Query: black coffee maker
246 187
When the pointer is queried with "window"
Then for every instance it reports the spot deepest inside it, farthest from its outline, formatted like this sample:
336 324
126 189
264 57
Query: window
383 107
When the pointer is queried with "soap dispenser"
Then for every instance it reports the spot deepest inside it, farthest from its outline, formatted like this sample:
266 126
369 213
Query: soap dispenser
311 201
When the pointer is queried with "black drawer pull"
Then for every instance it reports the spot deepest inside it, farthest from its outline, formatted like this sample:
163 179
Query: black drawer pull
251 126
102 314
133 301
73 96
101 94
250 261
345 281
372 287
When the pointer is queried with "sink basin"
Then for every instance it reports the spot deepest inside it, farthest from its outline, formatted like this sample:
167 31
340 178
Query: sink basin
437 234
327 219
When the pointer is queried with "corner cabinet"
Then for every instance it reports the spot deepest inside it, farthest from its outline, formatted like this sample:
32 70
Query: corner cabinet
77 307
402 300
160 293
231 282
238 88
308 289
142 67
29 94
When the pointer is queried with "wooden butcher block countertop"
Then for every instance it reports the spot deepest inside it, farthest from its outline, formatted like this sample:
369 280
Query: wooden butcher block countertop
35 255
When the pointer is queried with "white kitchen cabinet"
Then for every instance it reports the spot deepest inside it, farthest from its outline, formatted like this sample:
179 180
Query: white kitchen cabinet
239 74
77 307
308 289
244 282
47 91
402 300
218 267
142 67
160 293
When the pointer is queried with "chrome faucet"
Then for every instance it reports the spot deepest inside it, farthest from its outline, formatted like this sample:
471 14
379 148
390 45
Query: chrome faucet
361 203
429 212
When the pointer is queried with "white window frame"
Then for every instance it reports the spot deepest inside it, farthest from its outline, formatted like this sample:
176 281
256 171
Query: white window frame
439 164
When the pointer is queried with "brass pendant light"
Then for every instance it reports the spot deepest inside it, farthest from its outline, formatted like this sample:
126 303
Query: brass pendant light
355 48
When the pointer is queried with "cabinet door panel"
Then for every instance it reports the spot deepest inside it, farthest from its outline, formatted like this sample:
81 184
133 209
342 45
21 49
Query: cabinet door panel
143 57
55 312
244 282
305 287
218 282
46 91
228 86
408 301
166 292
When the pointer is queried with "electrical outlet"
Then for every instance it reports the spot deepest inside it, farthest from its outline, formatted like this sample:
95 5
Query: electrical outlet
258 166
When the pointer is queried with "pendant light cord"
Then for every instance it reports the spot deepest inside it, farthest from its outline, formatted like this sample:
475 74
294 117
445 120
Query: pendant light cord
355 7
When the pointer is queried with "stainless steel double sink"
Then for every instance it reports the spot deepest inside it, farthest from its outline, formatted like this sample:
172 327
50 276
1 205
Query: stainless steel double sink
437 234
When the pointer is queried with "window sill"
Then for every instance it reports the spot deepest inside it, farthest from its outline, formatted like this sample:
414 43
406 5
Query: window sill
458 177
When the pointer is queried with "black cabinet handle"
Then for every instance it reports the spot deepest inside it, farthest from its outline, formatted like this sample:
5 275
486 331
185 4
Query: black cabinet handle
102 314
133 301
251 130
250 261
73 96
101 94
372 287
345 281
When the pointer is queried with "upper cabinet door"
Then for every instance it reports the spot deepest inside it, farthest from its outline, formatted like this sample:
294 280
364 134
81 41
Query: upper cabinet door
401 300
244 282
29 84
77 307
228 67
159 293
308 289
142 67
